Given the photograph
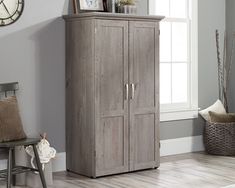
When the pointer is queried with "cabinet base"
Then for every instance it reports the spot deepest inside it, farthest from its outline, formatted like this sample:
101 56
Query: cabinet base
76 174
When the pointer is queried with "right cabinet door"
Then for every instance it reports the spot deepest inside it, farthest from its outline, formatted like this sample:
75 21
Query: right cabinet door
144 91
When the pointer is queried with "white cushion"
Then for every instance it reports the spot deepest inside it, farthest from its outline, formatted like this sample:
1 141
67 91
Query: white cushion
217 107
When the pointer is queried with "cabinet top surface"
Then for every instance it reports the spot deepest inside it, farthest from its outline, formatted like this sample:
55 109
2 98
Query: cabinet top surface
106 15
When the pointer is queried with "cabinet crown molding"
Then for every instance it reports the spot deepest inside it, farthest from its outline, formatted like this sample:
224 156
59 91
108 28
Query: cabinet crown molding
106 15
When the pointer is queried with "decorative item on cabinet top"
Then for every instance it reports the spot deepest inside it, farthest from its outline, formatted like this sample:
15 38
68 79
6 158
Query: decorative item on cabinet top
114 6
75 7
88 5
126 6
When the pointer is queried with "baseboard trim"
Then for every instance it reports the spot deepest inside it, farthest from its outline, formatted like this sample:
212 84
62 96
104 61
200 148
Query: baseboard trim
59 163
181 145
168 147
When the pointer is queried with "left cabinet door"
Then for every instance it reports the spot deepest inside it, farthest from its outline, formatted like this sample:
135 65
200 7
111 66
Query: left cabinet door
111 69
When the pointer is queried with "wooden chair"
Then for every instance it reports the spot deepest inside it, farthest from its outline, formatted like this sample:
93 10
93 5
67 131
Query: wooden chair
12 169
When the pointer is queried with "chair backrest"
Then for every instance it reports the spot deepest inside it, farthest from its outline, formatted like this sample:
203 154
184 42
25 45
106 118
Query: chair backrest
9 87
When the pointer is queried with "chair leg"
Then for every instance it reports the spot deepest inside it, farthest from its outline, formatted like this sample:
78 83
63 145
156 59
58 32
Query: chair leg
9 168
39 165
13 165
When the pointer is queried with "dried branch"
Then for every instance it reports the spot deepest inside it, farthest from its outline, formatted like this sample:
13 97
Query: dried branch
224 69
220 71
229 67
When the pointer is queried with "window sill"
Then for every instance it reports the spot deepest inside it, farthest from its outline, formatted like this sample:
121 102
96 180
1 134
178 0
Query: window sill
179 115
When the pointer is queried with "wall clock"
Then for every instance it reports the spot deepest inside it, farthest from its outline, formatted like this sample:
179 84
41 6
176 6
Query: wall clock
10 11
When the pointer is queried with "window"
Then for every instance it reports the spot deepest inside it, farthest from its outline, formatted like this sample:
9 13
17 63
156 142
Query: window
178 58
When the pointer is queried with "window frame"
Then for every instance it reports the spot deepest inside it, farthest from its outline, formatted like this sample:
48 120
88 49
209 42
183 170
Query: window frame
171 112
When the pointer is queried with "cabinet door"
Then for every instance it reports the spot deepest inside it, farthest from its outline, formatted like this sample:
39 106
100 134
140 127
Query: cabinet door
111 48
144 103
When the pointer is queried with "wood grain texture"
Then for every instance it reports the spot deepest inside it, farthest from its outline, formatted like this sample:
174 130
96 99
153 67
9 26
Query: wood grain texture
111 47
194 170
144 107
80 97
108 131
113 16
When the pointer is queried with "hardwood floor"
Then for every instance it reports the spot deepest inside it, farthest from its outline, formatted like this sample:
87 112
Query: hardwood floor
195 170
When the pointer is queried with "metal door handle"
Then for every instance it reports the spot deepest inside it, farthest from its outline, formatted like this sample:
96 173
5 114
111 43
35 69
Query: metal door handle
127 91
132 91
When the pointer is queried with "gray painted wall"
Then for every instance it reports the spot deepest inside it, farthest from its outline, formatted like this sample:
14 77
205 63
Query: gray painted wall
230 27
142 7
211 16
32 52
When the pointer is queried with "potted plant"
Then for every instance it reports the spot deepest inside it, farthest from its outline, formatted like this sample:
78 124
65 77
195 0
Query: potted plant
126 6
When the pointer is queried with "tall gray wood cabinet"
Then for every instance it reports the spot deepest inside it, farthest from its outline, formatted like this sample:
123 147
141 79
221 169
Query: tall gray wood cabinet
112 93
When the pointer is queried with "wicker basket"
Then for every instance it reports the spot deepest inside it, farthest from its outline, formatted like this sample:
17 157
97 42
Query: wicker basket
219 138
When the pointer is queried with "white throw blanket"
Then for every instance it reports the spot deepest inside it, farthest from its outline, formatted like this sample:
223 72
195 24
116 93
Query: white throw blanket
45 152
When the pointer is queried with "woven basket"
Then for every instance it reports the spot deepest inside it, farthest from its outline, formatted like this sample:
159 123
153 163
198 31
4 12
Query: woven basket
219 138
